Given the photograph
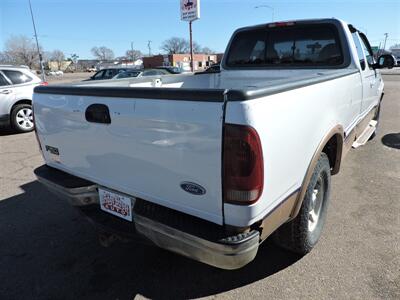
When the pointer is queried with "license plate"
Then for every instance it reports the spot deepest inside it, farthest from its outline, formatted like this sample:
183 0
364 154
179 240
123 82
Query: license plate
116 204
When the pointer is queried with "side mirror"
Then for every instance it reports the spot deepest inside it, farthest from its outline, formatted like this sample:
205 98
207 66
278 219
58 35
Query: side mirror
385 61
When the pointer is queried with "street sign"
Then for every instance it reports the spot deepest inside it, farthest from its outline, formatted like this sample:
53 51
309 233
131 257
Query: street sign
190 10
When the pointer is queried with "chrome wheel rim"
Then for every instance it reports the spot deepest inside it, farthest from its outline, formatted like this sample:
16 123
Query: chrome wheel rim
24 118
317 199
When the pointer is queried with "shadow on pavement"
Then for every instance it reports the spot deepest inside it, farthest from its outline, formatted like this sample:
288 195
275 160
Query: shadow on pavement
391 140
8 130
48 251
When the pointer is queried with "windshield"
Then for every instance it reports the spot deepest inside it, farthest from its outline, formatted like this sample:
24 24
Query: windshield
303 45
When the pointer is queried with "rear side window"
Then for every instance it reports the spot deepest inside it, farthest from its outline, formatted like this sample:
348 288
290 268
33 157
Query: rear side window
150 73
360 52
306 45
17 77
98 75
368 54
110 73
3 81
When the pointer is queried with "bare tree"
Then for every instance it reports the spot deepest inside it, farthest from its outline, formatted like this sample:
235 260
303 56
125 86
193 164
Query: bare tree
133 54
5 58
207 50
22 50
74 58
395 46
102 53
58 56
196 48
175 45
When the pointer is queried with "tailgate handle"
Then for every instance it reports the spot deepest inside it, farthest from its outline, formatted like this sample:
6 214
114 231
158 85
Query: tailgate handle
98 113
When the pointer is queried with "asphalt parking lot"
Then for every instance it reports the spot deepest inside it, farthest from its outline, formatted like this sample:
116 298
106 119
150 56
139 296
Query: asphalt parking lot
48 251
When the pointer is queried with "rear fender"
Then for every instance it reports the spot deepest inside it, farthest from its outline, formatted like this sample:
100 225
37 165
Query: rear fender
335 131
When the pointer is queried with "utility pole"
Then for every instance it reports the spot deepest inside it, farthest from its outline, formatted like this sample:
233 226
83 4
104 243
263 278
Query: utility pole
37 44
132 52
379 49
384 44
191 47
149 46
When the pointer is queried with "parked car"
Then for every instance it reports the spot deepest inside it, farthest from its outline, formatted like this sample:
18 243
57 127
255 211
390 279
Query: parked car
106 73
127 74
91 70
141 73
210 165
16 90
396 60
56 73
213 68
171 69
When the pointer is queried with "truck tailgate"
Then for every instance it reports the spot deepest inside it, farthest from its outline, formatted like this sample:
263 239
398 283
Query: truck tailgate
149 150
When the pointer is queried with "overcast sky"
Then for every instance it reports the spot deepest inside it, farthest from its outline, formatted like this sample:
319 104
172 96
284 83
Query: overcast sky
75 26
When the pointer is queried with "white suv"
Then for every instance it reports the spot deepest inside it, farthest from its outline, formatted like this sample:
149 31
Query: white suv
16 89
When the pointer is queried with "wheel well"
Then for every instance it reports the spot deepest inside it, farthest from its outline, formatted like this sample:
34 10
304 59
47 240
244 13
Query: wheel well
333 149
23 101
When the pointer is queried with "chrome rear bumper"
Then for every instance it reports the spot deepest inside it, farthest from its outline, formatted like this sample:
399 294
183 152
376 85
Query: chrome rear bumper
228 254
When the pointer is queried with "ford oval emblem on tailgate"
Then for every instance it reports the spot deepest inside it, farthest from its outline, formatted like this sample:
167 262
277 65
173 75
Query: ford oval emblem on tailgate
193 188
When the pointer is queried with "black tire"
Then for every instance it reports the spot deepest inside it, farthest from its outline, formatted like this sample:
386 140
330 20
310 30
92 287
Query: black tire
296 235
16 121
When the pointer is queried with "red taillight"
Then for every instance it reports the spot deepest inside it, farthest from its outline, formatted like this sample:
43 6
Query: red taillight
243 175
44 83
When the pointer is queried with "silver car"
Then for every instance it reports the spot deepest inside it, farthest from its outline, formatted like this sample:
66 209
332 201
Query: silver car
16 89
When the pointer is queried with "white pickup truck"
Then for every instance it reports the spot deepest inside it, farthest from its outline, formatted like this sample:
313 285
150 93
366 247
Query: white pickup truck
209 165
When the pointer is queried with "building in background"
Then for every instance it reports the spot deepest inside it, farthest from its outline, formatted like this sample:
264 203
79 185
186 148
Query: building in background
201 61
219 57
59 66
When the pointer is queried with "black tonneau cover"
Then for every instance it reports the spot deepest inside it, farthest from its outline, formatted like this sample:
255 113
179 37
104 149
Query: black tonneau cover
190 94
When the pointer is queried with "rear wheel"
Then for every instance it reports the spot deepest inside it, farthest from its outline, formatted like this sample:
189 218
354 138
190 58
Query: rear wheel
302 233
22 118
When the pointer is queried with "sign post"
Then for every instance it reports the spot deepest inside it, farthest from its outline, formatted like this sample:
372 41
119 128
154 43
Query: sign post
191 46
190 11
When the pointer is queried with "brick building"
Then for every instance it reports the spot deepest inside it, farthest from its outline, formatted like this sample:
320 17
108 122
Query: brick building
201 61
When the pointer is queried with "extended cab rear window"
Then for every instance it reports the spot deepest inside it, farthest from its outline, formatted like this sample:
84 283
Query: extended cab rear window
296 45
